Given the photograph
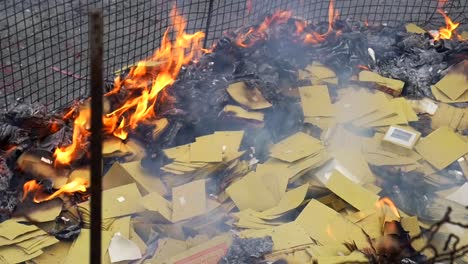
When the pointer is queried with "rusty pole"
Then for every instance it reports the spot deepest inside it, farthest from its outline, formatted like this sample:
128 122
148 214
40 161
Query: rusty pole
96 85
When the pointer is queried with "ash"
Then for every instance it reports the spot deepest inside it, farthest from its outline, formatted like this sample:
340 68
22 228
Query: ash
247 250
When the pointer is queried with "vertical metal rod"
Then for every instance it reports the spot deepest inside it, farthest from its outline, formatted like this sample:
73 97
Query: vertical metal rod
96 85
208 22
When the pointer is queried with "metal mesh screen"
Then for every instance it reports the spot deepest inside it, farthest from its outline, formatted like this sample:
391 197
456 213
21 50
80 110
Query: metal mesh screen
44 44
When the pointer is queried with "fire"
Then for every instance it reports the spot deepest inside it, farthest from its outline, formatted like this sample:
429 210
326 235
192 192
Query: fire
64 155
449 29
77 185
387 202
260 33
255 34
144 85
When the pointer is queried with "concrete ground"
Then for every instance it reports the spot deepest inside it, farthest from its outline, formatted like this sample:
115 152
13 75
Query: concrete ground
43 47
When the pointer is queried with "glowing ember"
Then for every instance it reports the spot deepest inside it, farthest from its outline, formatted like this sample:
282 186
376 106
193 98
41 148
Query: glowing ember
386 202
77 185
449 29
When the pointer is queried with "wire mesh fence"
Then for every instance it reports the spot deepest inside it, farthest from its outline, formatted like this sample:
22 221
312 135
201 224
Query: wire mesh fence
44 45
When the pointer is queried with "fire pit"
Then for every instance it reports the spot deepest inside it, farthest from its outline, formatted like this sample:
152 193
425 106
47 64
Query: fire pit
287 136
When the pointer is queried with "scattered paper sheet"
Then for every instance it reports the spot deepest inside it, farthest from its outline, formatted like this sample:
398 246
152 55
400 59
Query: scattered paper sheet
316 101
188 200
295 147
442 147
359 197
251 98
121 249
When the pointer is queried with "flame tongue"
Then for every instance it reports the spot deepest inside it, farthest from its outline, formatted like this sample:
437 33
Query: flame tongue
77 185
449 29
144 85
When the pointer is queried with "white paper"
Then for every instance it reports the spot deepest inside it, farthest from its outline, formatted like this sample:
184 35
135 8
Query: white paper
121 249
460 196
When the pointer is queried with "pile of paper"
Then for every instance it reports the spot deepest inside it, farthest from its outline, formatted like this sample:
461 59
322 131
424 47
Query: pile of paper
20 242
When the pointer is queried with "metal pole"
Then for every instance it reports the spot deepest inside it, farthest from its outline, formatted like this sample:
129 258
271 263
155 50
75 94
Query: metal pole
208 22
96 85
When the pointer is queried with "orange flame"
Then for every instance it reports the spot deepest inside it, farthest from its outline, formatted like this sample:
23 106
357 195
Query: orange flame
144 85
449 29
314 37
260 33
77 185
64 155
385 201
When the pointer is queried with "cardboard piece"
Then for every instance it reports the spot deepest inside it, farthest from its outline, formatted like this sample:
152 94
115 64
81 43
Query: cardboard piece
359 197
189 200
250 98
387 85
296 147
316 101
442 147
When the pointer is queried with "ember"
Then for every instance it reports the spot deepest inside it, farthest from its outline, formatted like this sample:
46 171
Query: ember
288 141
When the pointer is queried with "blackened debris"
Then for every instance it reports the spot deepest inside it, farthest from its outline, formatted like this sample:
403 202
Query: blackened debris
247 250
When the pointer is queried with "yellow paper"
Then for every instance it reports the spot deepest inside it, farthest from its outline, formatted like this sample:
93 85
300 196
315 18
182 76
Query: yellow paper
132 172
54 254
413 28
121 201
14 254
329 228
22 237
295 147
251 192
316 101
240 112
10 229
155 203
411 225
290 200
359 197
442 147
189 200
395 86
454 84
80 249
250 98
167 248
355 257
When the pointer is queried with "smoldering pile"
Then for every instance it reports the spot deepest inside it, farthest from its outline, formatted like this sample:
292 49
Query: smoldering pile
255 113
